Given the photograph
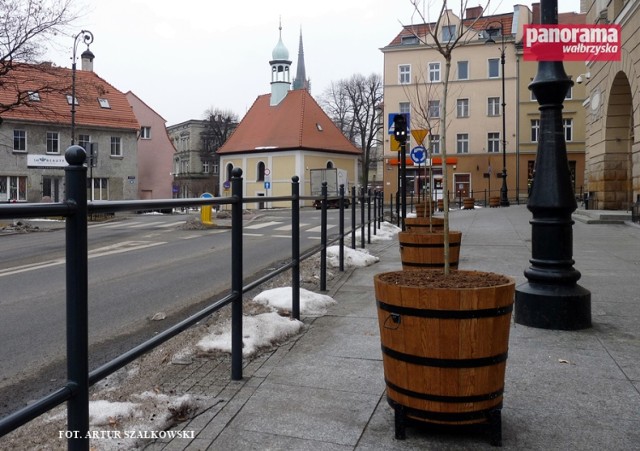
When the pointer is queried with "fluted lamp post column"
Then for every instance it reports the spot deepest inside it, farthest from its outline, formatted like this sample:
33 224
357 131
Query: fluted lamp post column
504 193
87 37
552 298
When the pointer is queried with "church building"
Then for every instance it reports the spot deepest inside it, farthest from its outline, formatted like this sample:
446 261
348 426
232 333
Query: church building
285 134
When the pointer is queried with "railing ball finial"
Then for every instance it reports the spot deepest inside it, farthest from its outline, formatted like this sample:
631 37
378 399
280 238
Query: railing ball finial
75 155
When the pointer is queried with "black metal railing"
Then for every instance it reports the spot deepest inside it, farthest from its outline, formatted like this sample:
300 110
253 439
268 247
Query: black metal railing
76 210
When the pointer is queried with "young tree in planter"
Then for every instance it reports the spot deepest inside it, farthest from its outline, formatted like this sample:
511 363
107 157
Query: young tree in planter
447 33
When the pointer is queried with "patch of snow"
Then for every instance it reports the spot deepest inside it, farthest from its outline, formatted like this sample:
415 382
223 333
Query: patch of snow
312 304
353 258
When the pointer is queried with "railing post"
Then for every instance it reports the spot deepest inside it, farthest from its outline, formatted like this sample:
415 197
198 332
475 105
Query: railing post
353 217
323 239
375 212
369 216
236 274
77 302
341 225
391 208
362 218
295 247
381 207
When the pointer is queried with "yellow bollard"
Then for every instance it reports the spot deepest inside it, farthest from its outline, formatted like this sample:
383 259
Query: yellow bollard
205 215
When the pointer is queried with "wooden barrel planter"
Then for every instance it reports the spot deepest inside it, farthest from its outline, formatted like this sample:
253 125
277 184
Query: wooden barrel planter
423 210
440 205
426 250
494 201
444 346
424 225
468 203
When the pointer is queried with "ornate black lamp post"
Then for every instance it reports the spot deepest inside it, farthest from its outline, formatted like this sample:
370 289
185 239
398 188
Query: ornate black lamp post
552 299
504 198
87 37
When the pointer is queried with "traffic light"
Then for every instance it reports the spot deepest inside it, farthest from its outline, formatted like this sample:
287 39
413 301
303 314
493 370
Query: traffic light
400 128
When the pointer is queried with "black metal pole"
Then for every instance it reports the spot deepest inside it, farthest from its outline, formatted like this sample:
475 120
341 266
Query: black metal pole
375 212
504 195
369 216
295 247
341 225
236 274
77 300
403 194
323 239
552 299
362 221
353 217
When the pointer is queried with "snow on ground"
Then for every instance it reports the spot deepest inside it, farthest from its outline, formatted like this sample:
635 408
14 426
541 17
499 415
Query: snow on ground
355 258
312 304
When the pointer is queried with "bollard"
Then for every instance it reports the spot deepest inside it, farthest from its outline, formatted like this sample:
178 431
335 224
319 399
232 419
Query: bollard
236 274
295 247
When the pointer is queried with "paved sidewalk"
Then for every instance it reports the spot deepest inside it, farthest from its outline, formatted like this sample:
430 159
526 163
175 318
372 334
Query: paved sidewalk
325 390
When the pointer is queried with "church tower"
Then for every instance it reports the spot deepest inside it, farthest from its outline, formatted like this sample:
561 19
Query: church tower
301 81
280 71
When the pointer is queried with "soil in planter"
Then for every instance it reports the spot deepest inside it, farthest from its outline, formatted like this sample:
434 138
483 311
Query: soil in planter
436 279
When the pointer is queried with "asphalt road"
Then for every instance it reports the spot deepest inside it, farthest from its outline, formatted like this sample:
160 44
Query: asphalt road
138 267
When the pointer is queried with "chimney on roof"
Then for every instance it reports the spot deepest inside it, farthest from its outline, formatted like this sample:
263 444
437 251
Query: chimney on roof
87 60
473 13
535 17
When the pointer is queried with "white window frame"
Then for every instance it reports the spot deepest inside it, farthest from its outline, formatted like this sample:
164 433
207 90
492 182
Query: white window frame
567 124
116 147
493 142
404 107
493 106
535 130
433 106
404 74
462 107
145 132
467 70
462 143
434 71
434 143
450 33
206 166
22 139
53 143
497 63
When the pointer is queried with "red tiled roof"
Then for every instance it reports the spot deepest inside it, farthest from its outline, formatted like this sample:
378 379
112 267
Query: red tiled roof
53 84
297 122
481 23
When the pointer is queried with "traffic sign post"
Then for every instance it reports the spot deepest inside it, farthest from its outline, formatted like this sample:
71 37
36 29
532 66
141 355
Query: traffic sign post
205 210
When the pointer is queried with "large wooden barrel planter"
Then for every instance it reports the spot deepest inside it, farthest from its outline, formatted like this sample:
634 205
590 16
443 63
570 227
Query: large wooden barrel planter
426 250
468 203
444 346
440 205
424 225
494 201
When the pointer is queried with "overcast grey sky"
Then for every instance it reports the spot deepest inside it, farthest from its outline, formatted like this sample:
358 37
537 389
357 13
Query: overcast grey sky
186 56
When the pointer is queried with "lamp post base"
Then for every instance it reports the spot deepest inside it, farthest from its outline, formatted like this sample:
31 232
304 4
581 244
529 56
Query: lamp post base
547 306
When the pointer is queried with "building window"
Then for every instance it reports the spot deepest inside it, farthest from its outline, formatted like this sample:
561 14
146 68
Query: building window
463 70
261 171
84 141
434 143
434 108
13 188
215 169
493 142
409 40
116 146
145 132
569 94
405 107
99 189
229 170
104 103
53 142
493 106
205 166
462 107
448 33
404 74
70 99
535 130
462 143
20 140
568 129
434 72
494 67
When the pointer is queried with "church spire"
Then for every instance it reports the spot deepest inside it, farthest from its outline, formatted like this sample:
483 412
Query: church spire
301 81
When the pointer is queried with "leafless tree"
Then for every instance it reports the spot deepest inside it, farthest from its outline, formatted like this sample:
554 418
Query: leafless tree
220 125
430 33
354 105
26 27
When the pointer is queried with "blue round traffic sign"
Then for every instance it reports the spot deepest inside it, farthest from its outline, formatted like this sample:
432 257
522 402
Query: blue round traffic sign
418 154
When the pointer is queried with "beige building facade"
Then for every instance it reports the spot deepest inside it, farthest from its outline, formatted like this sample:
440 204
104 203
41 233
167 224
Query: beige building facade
612 114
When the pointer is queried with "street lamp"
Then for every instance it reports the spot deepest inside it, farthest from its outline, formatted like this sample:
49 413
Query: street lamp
87 37
504 198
